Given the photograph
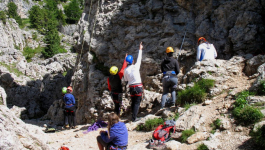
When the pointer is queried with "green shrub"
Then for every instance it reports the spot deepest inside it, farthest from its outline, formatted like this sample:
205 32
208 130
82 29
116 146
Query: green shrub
35 36
241 99
195 94
261 88
215 125
28 52
12 10
3 16
150 124
187 106
202 147
247 115
259 137
186 134
12 13
73 12
206 84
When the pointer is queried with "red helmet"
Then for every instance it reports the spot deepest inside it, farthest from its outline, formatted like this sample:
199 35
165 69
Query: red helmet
201 38
70 88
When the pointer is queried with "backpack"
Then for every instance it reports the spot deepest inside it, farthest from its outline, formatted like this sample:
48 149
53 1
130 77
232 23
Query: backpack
63 148
162 132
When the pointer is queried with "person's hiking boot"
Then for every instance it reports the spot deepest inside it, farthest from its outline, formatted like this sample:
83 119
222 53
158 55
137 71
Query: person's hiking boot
160 145
160 111
66 127
74 127
151 144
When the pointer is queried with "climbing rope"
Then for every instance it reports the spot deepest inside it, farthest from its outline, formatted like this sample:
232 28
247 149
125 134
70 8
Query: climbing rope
182 43
84 34
94 26
78 63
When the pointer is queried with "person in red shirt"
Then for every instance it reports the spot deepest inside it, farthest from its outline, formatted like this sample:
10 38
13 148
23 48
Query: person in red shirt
115 86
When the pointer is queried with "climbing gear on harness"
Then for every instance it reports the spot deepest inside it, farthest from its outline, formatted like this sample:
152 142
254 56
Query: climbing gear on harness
113 70
70 88
129 59
169 72
181 44
64 90
134 89
169 50
201 38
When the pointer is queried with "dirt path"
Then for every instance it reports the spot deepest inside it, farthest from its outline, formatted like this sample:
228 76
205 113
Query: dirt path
75 139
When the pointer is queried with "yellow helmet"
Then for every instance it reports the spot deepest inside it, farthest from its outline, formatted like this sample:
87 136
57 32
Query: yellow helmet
169 50
113 70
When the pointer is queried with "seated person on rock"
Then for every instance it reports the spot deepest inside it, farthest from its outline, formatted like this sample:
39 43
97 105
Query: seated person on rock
205 50
116 137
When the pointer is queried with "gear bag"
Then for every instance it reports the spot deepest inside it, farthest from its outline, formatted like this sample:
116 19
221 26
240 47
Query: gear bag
163 132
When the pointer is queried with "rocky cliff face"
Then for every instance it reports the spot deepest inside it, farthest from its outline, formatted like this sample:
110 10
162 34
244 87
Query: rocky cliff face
15 134
109 29
33 85
22 6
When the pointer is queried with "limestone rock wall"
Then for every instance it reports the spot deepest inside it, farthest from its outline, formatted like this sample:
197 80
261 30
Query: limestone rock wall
15 134
108 30
35 85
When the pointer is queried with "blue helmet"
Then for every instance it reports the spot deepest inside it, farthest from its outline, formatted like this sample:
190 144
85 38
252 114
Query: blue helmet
129 59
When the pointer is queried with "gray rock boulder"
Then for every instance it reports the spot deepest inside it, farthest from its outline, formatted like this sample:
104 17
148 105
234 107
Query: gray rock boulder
15 134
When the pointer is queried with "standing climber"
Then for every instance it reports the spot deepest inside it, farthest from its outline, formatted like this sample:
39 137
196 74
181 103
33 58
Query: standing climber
132 75
114 85
205 50
170 70
69 109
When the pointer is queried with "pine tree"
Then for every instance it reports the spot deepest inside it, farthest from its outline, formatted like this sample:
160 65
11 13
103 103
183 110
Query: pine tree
52 38
73 12
3 16
12 12
37 18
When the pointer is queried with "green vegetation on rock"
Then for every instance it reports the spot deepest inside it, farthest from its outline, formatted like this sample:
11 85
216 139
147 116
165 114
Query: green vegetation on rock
3 16
216 125
186 134
195 94
259 137
150 124
202 147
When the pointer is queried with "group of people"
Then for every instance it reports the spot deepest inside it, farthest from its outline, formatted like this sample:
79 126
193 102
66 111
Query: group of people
117 135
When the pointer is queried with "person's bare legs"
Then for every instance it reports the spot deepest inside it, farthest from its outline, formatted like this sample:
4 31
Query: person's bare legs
100 147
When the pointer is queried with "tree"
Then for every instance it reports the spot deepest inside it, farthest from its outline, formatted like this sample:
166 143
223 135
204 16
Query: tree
3 16
51 38
73 12
61 17
12 12
38 19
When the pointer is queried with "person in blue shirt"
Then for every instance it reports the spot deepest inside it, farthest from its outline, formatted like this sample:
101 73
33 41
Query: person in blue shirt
116 137
69 109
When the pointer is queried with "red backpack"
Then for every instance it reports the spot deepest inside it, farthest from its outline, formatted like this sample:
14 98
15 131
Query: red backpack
63 148
162 132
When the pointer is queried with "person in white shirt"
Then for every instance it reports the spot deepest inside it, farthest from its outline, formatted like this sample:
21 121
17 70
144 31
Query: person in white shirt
205 50
132 75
